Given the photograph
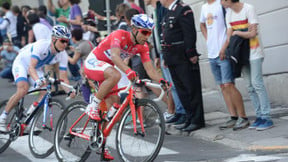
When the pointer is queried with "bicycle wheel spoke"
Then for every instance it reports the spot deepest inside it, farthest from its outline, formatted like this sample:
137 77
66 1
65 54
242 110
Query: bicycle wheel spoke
41 136
69 147
131 147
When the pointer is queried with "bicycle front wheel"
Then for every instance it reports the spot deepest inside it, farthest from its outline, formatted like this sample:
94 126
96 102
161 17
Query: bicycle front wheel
140 148
5 139
69 147
41 136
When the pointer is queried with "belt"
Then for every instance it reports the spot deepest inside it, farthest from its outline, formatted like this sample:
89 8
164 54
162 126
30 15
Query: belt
172 45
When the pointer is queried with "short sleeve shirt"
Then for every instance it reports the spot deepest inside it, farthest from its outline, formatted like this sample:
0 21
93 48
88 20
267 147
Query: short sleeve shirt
75 11
213 17
241 21
62 12
41 50
120 39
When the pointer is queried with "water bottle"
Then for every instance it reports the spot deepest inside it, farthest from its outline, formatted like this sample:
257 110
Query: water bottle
32 108
112 111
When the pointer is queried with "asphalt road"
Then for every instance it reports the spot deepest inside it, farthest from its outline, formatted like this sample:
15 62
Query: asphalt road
175 148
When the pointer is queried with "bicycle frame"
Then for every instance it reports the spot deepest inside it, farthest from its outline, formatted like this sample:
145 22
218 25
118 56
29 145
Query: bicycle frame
128 101
44 101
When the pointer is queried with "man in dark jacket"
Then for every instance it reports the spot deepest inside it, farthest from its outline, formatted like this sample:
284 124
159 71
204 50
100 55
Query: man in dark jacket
178 41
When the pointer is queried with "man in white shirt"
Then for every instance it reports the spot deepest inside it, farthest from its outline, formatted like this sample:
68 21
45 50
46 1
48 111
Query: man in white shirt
10 23
213 28
242 21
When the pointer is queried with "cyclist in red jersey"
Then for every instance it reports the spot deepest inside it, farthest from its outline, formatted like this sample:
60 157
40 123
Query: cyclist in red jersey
120 44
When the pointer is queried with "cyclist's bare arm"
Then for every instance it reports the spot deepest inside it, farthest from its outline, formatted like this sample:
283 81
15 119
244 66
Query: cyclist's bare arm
32 69
151 71
115 56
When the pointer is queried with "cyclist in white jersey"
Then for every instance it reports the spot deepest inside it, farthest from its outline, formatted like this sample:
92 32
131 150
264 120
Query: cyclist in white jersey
28 66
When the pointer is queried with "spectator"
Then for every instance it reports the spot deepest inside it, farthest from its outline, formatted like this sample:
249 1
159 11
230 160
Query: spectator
8 52
27 27
213 28
10 23
3 32
61 13
120 14
90 30
181 57
176 114
81 47
242 22
20 23
132 4
40 31
42 12
46 20
81 50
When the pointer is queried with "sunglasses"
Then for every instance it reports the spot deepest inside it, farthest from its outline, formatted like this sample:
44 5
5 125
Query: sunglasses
64 41
145 32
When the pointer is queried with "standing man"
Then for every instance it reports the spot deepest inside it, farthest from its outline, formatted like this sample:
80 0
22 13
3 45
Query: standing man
214 31
178 41
175 114
10 23
242 21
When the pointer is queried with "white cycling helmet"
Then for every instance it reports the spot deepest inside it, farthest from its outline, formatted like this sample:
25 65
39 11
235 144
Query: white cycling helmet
142 21
60 31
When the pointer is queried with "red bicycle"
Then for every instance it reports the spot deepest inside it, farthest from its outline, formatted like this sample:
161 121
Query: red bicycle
139 136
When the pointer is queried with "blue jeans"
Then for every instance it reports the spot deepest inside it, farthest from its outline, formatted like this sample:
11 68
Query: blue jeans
166 74
256 88
6 73
221 70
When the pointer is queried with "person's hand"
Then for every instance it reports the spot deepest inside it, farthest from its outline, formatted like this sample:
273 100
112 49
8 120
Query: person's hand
235 33
131 75
194 59
72 94
157 63
62 19
165 84
39 83
222 54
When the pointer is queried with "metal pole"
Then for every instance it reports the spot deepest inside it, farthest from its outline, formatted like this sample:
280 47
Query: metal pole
108 16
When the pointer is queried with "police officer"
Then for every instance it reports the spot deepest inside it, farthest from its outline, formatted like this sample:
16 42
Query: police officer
178 41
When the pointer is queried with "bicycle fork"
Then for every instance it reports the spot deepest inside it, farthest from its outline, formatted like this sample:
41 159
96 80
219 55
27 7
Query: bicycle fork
140 117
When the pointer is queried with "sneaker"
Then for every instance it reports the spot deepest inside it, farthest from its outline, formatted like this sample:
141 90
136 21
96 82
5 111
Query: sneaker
92 112
241 124
265 124
181 120
167 116
256 123
3 126
228 124
106 155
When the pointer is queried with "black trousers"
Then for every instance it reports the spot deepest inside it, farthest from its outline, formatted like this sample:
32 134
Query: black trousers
187 80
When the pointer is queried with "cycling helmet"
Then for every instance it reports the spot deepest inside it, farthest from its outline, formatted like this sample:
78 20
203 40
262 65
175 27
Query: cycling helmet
60 31
142 21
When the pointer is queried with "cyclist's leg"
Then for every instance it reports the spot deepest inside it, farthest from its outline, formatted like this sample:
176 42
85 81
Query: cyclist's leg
106 75
20 76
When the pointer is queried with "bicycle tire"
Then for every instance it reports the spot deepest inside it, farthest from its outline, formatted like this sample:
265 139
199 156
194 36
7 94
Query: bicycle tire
65 145
41 139
139 148
5 139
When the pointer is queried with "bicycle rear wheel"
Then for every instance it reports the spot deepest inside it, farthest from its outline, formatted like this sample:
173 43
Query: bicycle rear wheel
7 138
140 148
69 147
41 139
